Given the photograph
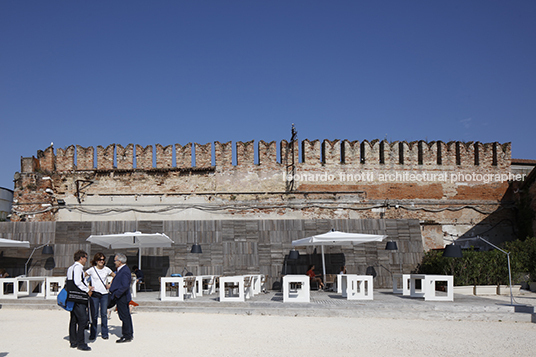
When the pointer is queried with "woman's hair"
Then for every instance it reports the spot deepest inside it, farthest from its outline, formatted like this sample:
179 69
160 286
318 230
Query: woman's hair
310 267
96 258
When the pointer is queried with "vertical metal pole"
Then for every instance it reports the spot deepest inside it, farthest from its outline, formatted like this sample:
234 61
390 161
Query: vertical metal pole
323 265
510 279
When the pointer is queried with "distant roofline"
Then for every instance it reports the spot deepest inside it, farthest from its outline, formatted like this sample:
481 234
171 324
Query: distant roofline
7 189
523 162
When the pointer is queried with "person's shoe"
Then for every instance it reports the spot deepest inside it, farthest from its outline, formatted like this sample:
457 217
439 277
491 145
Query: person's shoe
105 337
84 348
74 345
122 340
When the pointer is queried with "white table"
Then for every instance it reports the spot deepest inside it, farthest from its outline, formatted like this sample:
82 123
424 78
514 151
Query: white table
430 288
405 281
200 281
3 284
176 284
232 288
58 282
413 292
357 287
296 288
25 289
257 284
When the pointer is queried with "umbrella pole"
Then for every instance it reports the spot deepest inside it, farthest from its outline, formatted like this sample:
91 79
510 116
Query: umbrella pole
323 265
139 258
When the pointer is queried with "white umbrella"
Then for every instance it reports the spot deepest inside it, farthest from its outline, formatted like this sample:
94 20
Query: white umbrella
132 240
336 238
14 243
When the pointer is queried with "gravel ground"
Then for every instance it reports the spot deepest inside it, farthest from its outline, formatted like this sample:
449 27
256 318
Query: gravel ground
45 333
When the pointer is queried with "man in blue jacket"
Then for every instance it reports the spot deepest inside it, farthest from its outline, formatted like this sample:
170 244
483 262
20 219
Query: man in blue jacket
120 290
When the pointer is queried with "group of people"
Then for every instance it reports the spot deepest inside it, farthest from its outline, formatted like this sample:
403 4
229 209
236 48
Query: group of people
93 282
316 278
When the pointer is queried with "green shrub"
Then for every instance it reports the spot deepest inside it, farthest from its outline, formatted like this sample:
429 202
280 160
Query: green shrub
484 268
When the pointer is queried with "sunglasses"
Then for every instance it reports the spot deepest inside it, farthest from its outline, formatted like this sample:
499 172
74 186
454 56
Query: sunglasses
101 259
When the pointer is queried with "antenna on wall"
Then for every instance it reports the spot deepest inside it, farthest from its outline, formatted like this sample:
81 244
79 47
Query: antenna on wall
291 166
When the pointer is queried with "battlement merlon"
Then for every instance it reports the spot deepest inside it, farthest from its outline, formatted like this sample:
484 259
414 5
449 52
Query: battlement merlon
375 154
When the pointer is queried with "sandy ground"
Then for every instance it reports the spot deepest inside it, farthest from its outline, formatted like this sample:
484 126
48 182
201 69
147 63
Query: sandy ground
45 333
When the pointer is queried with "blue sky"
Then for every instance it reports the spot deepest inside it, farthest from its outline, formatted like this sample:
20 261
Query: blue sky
146 72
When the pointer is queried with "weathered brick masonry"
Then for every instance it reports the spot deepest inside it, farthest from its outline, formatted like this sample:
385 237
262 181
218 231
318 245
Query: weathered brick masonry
453 189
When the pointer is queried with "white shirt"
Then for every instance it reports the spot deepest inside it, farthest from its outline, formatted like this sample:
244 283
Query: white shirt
76 272
96 276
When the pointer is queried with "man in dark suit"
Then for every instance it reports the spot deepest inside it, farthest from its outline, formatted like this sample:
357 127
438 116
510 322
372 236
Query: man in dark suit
120 290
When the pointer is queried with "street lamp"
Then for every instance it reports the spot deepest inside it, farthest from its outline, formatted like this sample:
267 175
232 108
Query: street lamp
47 249
455 251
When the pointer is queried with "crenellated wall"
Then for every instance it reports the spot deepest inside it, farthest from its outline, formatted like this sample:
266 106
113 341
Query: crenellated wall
435 155
433 182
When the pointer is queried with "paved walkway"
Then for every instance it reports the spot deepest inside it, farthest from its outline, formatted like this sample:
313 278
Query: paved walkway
328 304
390 325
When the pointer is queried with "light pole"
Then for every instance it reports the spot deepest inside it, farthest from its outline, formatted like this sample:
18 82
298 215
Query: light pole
47 249
455 251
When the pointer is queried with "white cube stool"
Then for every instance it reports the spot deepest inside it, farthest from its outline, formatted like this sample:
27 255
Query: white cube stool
296 288
430 288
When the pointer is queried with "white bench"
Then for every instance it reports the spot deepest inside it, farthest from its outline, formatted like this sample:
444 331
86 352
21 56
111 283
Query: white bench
430 288
296 288
357 287
405 281
53 286
4 282
232 288
172 285
413 292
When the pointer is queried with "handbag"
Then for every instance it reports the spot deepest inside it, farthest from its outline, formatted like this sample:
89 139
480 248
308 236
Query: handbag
61 299
74 293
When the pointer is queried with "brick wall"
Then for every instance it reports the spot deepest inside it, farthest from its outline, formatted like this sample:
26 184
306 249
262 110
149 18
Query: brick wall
333 181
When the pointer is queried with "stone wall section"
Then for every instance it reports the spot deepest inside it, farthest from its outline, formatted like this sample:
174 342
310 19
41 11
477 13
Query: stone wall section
144 157
183 155
224 154
65 159
351 152
428 154
85 158
310 153
391 153
331 151
286 152
245 153
203 155
105 157
267 154
364 155
164 156
47 159
125 157
245 189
